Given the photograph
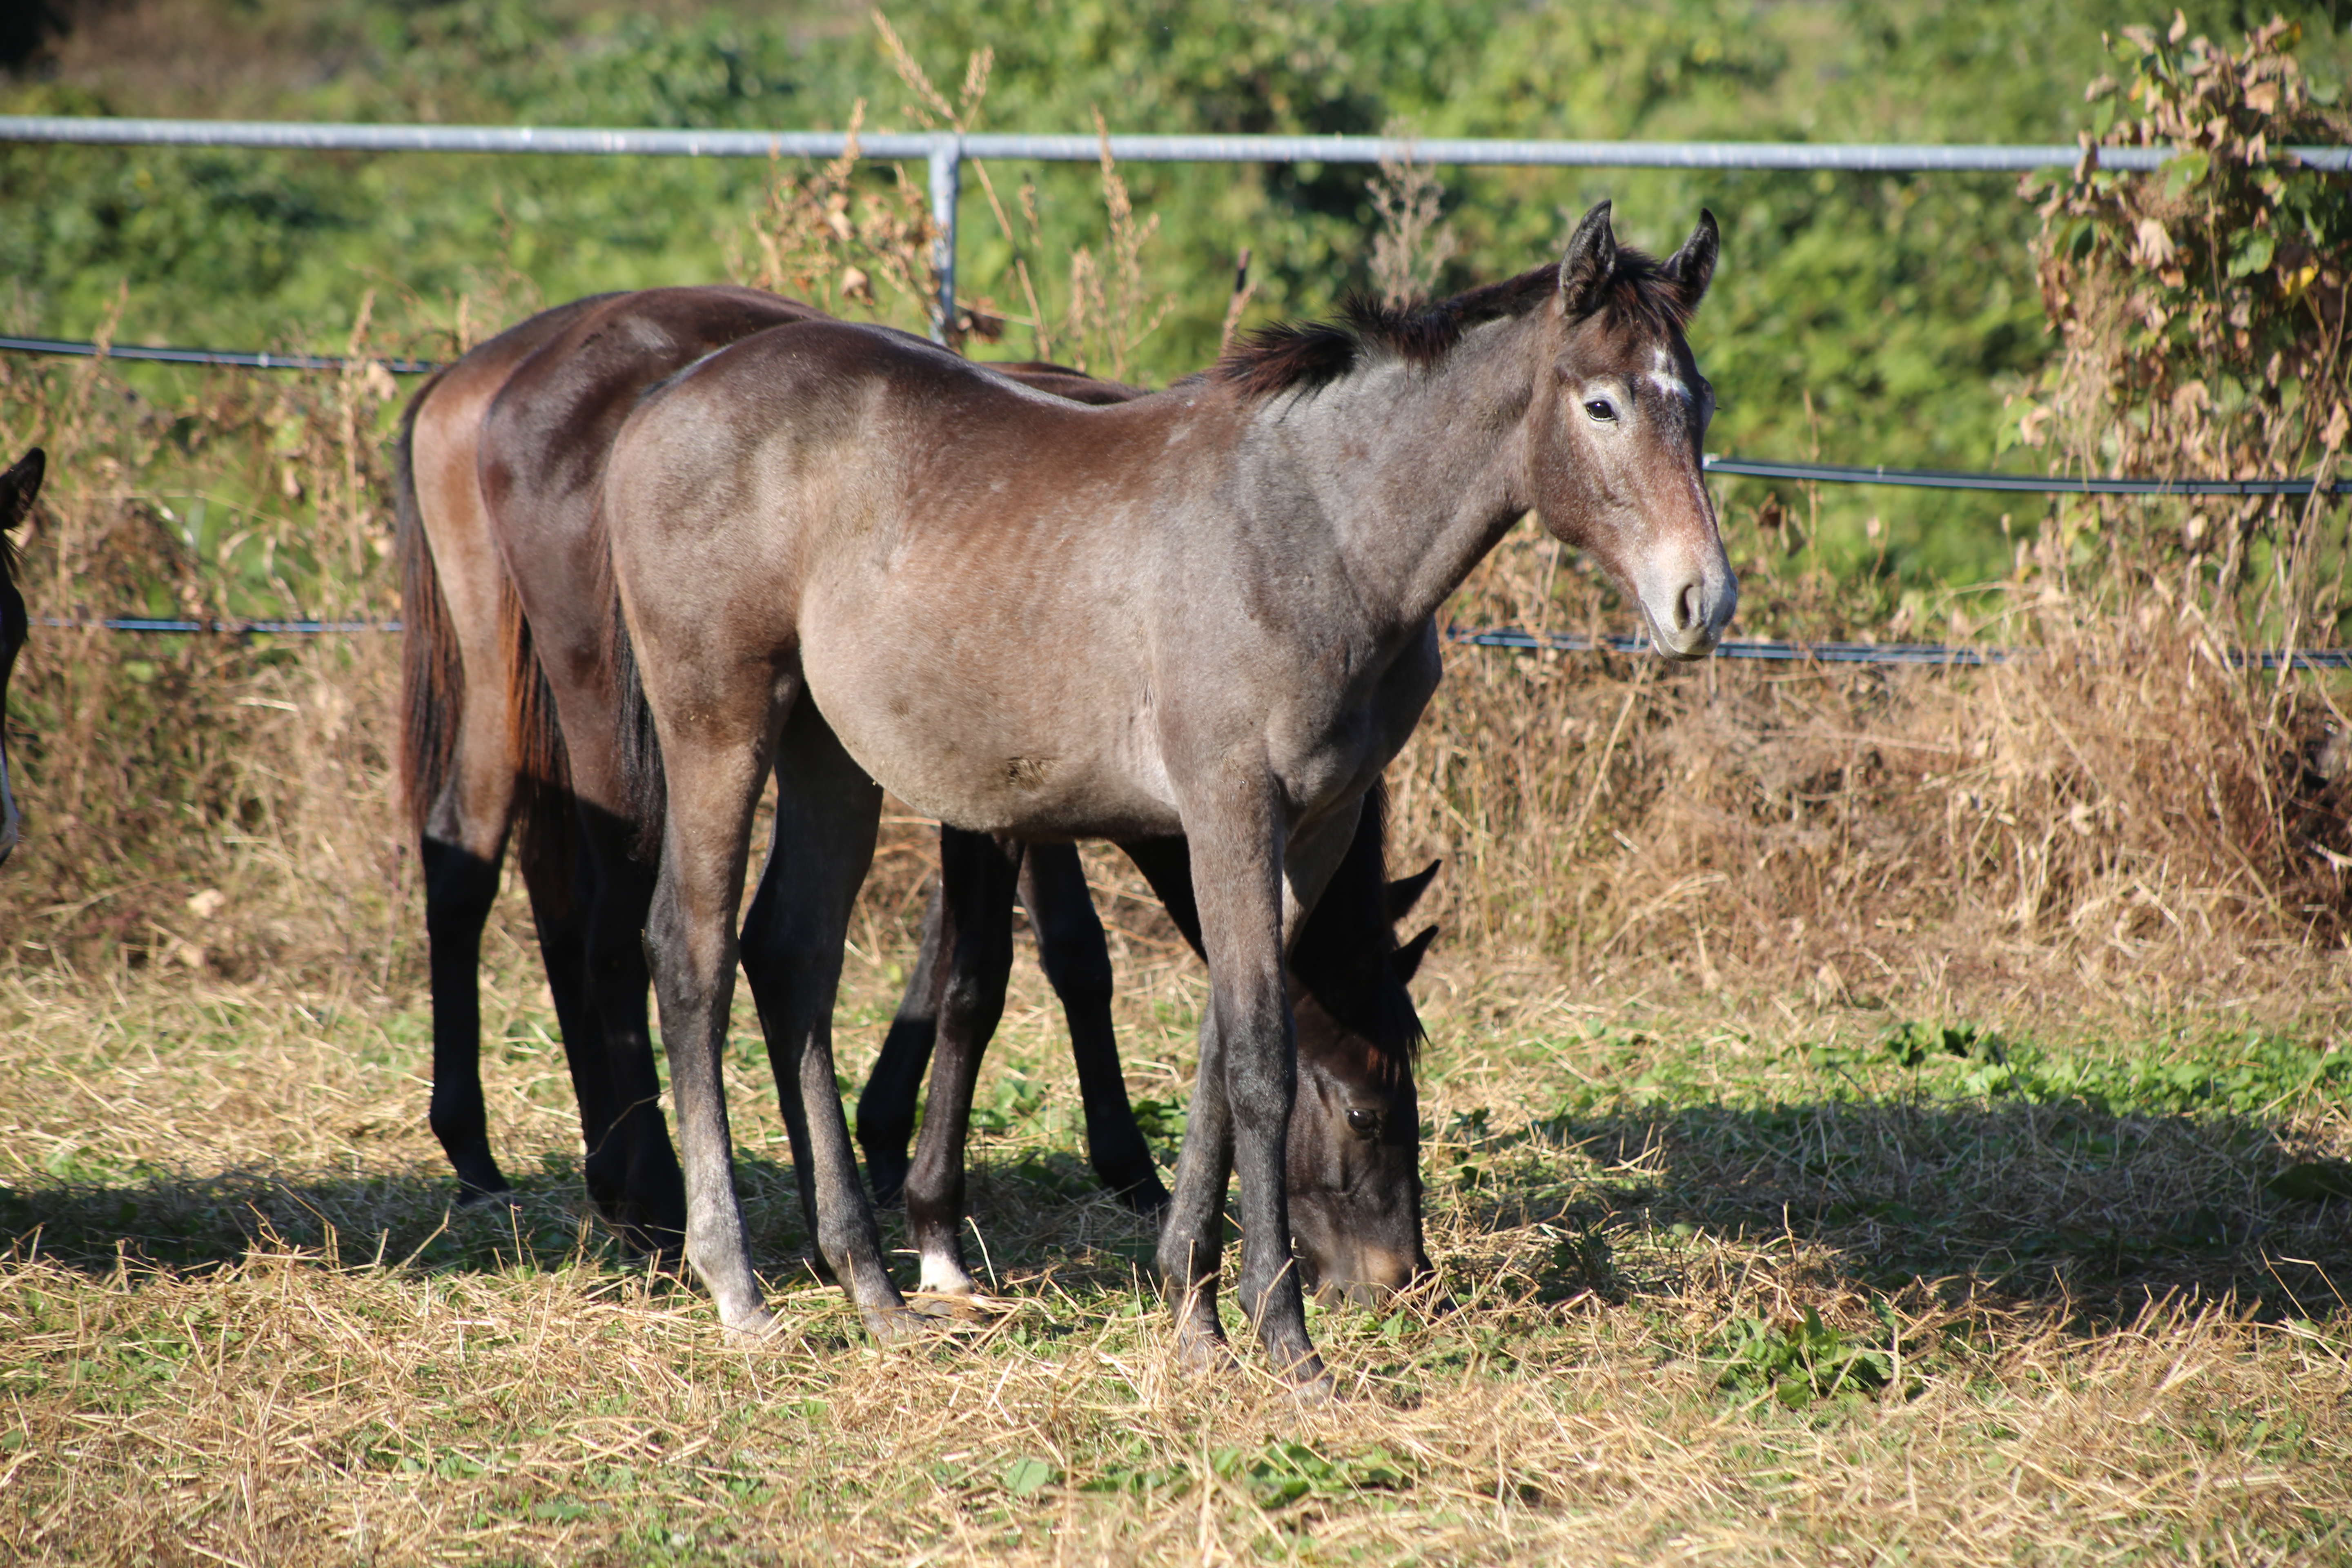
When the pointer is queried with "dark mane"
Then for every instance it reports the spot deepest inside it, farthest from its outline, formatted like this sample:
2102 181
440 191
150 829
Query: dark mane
1301 356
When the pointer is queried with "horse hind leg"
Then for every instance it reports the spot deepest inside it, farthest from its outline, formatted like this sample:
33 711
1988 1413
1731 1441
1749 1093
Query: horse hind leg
651 1210
978 874
629 1167
827 811
886 1110
460 850
1076 960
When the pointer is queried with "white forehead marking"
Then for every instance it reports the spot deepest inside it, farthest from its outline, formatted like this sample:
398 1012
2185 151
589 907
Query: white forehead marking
1662 372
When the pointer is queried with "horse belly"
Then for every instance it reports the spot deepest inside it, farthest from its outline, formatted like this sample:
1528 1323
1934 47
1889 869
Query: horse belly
995 745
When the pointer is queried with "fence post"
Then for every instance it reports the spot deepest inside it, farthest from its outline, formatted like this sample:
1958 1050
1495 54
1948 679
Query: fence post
947 185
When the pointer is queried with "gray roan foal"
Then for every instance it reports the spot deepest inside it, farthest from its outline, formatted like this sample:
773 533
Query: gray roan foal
1206 612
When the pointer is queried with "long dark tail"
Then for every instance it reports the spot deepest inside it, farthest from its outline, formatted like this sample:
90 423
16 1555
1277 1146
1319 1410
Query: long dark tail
546 818
639 747
432 684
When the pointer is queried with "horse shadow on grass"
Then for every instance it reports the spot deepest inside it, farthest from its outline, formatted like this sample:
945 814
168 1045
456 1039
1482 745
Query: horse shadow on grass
2044 1204
1035 1211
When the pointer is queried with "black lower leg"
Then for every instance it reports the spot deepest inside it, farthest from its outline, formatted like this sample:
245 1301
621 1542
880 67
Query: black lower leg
886 1110
1076 960
459 888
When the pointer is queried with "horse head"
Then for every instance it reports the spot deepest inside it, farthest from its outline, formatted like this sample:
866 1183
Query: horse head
1619 425
1354 1152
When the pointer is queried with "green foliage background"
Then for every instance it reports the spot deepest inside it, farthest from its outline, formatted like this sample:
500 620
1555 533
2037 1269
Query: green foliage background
1856 317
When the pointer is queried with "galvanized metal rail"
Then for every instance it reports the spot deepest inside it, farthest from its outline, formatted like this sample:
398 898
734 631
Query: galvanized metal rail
944 151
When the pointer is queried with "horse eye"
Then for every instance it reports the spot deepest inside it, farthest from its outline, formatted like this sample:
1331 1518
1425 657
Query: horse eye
1603 411
1364 1121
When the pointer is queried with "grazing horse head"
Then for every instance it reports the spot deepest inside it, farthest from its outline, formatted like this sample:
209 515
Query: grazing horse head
1355 1129
18 487
1617 464
1353 1157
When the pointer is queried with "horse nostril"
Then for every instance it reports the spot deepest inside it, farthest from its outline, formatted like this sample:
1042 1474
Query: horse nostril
1686 607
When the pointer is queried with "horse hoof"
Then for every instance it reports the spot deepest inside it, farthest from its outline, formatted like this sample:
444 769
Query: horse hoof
755 1326
481 1197
1205 1353
897 1326
951 1305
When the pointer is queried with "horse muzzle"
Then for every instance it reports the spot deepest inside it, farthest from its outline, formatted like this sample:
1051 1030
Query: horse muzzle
1688 611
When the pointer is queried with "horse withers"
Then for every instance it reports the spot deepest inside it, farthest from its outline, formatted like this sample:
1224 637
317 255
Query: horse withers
19 488
1233 585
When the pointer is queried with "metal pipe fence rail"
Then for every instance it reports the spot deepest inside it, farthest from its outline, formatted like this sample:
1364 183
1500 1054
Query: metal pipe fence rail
944 152
1509 637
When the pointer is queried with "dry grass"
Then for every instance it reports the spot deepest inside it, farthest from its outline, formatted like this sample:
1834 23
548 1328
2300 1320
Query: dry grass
242 1325
2118 822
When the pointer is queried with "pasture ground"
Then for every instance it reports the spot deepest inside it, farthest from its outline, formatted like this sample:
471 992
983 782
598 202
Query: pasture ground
1721 1282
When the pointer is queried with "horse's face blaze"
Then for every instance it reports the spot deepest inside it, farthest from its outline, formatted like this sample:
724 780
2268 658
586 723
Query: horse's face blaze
1617 469
1354 1167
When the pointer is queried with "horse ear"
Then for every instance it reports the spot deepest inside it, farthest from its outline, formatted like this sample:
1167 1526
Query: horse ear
1405 962
1591 257
1692 267
1406 891
19 485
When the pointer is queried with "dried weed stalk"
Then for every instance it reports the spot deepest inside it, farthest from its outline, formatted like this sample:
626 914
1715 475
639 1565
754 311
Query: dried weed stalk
2200 311
1413 243
827 237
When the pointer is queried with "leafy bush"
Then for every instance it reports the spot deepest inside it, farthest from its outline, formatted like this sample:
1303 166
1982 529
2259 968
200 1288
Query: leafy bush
2201 310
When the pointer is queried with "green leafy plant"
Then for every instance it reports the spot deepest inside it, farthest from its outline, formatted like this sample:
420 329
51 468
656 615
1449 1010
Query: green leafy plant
2201 308
1915 1041
1806 1360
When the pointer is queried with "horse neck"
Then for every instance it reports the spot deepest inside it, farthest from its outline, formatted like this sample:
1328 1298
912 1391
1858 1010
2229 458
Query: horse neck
1419 470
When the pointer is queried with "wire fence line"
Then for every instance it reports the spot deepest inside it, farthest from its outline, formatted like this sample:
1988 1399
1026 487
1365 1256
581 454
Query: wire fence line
1508 638
238 359
944 152
1730 467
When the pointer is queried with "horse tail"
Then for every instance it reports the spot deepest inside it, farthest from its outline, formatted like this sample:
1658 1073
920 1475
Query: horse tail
546 817
432 680
643 786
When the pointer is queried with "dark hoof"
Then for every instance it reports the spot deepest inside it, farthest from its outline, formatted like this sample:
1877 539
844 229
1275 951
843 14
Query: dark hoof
470 1198
1151 1201
901 1326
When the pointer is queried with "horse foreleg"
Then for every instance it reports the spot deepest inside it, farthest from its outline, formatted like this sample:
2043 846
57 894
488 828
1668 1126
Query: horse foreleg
885 1109
827 811
1253 883
978 874
1076 960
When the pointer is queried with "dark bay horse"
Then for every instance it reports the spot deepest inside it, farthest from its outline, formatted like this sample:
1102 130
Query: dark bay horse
1354 1147
508 701
19 488
1235 581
